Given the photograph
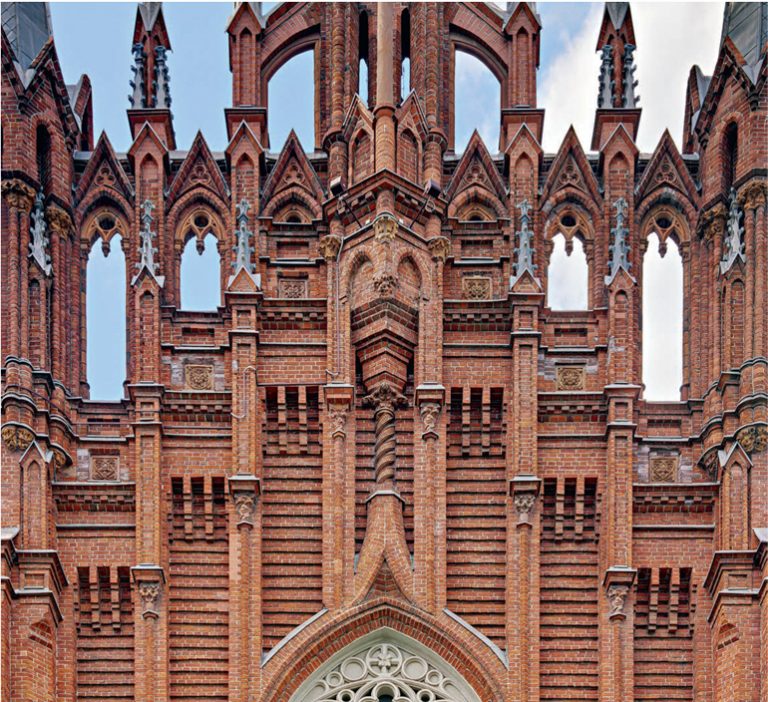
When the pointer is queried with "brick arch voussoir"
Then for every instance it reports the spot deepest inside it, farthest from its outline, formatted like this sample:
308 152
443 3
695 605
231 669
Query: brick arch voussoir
300 657
679 208
198 198
477 195
293 194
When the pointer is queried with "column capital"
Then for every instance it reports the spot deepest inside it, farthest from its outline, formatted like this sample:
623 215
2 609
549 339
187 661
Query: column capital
617 582
150 581
245 491
524 489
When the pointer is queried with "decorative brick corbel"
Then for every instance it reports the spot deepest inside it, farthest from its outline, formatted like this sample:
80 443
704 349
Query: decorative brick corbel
150 581
618 583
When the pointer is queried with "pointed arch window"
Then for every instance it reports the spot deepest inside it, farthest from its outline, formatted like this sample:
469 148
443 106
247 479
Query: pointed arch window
405 54
43 158
474 85
568 275
730 155
662 320
200 271
106 310
291 101
363 84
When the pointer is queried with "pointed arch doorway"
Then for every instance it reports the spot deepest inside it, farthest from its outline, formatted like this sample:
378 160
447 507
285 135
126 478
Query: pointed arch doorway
385 666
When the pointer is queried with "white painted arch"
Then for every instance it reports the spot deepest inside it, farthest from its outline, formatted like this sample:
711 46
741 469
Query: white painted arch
385 664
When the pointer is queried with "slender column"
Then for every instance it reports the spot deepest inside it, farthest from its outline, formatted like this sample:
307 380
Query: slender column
338 510
384 125
384 399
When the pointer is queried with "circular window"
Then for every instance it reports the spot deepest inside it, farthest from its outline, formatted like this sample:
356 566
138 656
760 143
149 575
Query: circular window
201 221
568 220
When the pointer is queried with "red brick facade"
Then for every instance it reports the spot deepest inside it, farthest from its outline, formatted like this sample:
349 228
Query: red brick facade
384 441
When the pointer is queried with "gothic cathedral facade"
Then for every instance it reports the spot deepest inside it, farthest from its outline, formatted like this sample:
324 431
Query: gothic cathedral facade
384 468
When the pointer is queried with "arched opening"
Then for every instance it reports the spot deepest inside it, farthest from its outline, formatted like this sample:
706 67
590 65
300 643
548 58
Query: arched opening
475 85
363 86
200 282
730 155
662 320
568 275
291 101
43 158
405 54
105 316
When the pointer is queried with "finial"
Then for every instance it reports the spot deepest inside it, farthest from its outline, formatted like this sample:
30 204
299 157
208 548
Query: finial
139 97
619 249
243 236
630 100
524 250
161 84
147 250
39 235
607 84
734 236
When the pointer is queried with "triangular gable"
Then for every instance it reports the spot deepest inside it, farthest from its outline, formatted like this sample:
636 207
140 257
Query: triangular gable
199 169
385 584
150 20
105 170
410 114
244 281
244 135
146 133
476 168
358 111
244 16
666 168
571 169
293 169
617 16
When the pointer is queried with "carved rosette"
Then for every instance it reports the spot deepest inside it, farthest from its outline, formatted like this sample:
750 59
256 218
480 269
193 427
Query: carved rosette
753 439
570 378
18 194
617 596
329 246
17 438
430 412
439 247
385 227
524 502
149 592
384 400
198 377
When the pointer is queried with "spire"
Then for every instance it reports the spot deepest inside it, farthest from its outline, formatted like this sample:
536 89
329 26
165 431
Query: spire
27 26
150 86
746 25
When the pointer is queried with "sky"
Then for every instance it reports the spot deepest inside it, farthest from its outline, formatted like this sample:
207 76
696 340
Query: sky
671 37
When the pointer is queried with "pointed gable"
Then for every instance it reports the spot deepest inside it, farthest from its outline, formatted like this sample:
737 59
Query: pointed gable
150 20
293 169
476 168
199 169
244 141
410 115
104 171
357 112
571 169
666 168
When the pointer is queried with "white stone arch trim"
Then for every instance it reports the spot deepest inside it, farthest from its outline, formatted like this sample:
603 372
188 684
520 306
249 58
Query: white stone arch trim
385 662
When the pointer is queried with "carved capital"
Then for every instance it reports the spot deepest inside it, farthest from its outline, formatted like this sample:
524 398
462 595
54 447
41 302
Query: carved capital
385 227
617 596
149 592
329 246
59 221
17 438
753 439
439 247
753 195
385 398
430 412
18 194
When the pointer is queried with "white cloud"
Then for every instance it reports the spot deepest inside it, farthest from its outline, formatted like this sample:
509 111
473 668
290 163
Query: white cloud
671 37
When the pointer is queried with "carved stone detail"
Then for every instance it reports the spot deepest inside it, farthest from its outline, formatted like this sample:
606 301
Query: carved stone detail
198 377
385 227
329 246
753 439
38 236
430 412
245 506
385 284
369 674
149 592
524 502
18 194
17 438
617 596
292 288
337 414
439 247
733 245
59 220
663 469
619 248
105 467
476 288
570 378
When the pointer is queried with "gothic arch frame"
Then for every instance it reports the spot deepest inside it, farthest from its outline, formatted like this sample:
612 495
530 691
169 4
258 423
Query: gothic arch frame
297 661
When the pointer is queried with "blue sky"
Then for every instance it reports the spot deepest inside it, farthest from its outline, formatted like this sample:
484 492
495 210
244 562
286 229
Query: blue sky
95 38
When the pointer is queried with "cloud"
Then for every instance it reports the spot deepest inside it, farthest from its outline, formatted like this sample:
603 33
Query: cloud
671 37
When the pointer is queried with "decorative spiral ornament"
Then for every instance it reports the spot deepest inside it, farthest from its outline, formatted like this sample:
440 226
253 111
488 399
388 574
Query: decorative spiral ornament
384 400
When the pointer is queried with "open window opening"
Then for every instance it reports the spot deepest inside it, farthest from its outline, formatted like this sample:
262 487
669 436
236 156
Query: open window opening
568 275
363 86
477 102
201 274
291 101
405 54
